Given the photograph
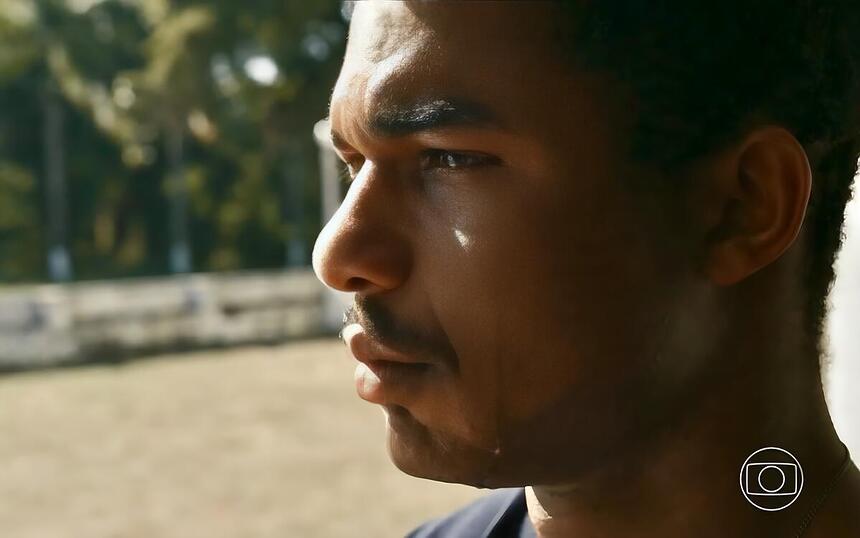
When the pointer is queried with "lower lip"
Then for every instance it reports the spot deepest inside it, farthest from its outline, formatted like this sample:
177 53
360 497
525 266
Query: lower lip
383 382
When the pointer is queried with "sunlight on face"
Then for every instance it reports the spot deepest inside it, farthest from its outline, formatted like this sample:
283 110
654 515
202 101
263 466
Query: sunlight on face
463 239
496 225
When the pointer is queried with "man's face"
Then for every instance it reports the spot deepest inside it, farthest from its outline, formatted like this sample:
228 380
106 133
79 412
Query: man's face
489 231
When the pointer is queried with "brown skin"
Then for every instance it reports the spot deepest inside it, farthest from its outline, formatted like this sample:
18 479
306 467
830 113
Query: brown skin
617 352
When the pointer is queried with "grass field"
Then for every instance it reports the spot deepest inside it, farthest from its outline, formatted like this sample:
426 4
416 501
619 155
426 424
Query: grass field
256 442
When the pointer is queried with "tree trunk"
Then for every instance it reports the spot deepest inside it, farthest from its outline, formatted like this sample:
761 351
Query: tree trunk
293 184
180 252
59 261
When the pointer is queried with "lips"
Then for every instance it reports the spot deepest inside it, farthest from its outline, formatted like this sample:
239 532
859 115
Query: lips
384 376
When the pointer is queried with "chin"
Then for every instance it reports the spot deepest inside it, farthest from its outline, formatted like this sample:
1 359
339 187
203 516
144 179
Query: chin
418 451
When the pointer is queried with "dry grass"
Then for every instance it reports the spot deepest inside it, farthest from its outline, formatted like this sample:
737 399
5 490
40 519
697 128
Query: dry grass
258 442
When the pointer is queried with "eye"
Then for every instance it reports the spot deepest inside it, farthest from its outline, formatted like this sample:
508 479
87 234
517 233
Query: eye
349 169
454 160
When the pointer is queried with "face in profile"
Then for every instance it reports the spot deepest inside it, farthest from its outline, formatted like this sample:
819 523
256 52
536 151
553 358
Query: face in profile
522 312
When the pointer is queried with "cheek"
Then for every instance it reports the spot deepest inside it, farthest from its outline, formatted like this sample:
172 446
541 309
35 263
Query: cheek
542 296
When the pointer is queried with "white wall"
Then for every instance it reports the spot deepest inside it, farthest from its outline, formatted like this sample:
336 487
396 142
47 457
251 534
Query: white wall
54 324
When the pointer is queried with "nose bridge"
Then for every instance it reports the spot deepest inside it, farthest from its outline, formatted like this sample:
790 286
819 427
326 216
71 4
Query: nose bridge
364 247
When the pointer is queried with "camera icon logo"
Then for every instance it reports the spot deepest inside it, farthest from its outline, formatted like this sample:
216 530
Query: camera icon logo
771 479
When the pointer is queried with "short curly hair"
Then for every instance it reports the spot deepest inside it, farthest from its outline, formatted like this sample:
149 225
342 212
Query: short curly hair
704 71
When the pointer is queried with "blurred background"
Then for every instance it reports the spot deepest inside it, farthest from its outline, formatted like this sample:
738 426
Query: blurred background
161 188
163 176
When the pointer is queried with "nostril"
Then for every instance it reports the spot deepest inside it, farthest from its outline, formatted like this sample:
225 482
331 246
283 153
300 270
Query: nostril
355 283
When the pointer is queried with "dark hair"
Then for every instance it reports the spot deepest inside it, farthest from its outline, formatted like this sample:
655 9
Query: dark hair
704 71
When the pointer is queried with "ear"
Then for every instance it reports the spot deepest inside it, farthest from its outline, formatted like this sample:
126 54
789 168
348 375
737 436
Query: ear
759 204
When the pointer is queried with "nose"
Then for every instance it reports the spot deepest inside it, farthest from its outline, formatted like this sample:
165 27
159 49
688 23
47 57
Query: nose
364 247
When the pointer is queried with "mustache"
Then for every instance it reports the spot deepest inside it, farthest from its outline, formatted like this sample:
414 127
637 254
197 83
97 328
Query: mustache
380 324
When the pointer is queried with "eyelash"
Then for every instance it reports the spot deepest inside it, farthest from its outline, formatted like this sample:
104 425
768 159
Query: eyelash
438 155
474 159
344 174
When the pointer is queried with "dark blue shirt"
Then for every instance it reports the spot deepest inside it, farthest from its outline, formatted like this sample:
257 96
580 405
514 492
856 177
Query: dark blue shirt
501 514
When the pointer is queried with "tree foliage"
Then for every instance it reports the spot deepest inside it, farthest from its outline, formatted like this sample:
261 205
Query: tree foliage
211 100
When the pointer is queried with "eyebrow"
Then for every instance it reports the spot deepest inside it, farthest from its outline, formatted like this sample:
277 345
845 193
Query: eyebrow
393 120
399 120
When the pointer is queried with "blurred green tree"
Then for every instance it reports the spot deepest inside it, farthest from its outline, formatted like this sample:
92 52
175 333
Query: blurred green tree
181 132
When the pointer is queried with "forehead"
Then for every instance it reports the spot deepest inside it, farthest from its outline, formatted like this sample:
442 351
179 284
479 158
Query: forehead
400 52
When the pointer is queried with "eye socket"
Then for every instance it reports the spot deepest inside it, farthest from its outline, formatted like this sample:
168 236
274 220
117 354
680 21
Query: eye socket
445 160
434 160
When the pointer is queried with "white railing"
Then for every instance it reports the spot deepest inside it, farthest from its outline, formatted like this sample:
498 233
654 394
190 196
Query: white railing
56 324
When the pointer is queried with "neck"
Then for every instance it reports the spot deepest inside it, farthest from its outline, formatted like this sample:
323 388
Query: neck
685 483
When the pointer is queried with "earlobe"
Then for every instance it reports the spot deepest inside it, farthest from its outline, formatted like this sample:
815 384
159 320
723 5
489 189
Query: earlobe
764 203
729 265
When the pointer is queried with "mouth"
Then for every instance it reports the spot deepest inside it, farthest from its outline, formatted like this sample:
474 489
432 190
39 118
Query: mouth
384 376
